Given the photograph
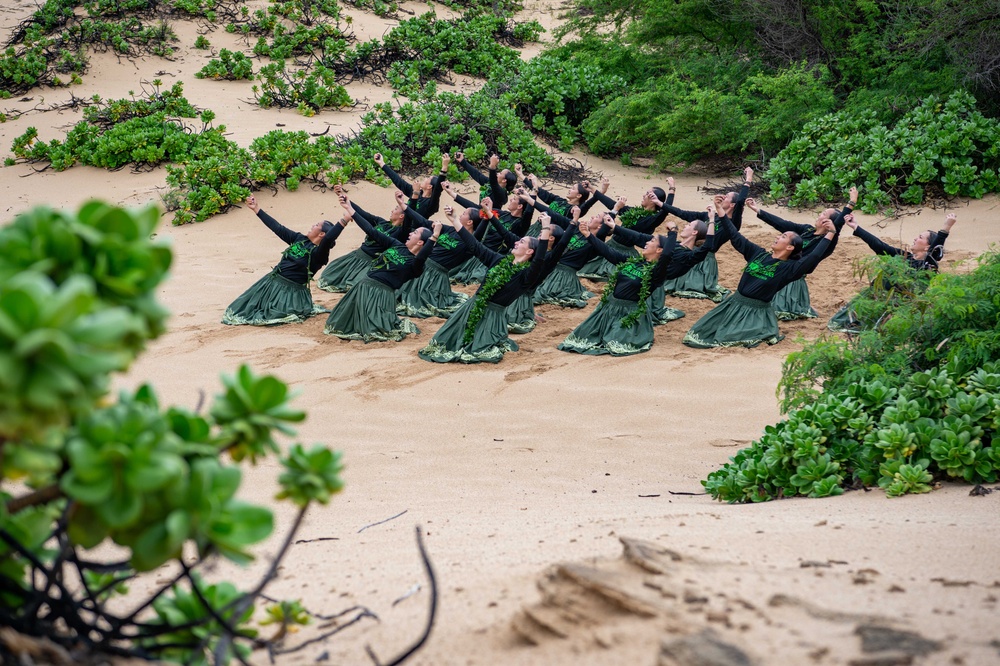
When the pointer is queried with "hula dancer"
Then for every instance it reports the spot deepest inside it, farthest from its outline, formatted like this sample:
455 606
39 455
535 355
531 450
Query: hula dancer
746 318
516 218
792 301
368 311
682 260
621 324
925 254
344 271
521 313
643 219
563 287
703 280
282 296
428 199
545 201
430 294
496 186
477 332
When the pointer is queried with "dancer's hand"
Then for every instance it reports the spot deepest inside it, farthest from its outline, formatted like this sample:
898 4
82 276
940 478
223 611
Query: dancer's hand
752 205
620 203
849 221
494 161
575 213
949 221
605 184
252 203
460 157
378 160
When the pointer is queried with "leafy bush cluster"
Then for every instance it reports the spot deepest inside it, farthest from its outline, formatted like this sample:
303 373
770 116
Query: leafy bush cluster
229 66
555 96
425 48
941 147
141 131
307 90
937 425
679 118
910 322
292 28
913 398
77 303
413 134
53 40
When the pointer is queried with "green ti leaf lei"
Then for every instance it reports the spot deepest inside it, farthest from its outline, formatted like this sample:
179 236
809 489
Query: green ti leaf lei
630 216
496 278
299 249
644 291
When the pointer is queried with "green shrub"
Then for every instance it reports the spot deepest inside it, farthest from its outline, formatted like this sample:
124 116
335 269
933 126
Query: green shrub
77 303
229 66
941 147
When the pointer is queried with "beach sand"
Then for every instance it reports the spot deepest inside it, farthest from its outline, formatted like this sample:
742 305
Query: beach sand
527 476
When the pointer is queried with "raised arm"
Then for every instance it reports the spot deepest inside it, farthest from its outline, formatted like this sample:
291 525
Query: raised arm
396 179
740 244
281 231
475 173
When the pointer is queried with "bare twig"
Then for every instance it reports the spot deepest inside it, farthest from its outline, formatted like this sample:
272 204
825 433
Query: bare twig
383 521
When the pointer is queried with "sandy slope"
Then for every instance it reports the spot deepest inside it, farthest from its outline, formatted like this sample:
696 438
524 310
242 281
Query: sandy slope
545 458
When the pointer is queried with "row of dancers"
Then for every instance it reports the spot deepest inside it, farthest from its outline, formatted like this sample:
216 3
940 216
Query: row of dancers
525 245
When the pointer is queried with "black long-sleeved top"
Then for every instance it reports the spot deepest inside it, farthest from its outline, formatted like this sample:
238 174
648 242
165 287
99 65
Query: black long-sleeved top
556 204
551 258
521 282
496 192
485 233
450 251
302 258
370 247
806 231
682 259
517 227
577 251
635 217
628 285
395 264
928 263
764 276
691 215
426 206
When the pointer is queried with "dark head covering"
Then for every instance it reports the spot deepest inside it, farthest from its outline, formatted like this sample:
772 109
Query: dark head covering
509 180
327 227
660 194
556 232
426 233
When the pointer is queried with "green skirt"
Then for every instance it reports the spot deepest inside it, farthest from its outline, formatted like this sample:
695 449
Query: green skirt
737 321
658 310
471 271
489 342
429 295
702 281
521 315
272 300
341 273
562 287
600 268
602 332
792 302
534 230
368 313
